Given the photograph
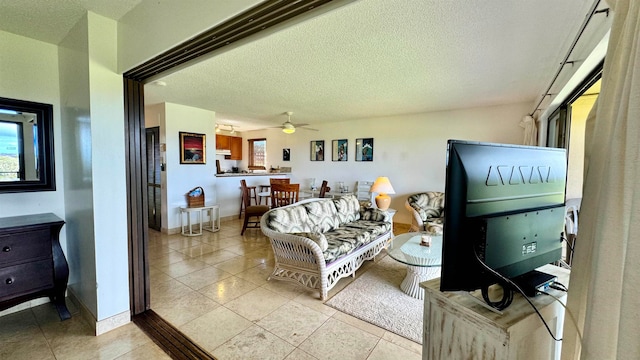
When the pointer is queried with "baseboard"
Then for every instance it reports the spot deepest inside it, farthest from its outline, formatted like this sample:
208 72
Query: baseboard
102 326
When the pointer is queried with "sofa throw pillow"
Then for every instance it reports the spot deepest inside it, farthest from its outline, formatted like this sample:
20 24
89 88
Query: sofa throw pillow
348 208
289 220
322 214
316 237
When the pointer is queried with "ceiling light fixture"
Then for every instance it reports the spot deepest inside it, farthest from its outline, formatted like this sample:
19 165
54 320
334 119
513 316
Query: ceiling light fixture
288 127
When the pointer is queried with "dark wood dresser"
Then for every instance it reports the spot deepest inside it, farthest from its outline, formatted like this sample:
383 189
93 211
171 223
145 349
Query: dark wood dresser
32 263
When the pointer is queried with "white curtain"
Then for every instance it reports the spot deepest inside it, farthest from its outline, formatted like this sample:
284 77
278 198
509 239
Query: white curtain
604 293
530 130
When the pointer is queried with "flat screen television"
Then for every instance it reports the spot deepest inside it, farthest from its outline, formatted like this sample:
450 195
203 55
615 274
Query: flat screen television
504 206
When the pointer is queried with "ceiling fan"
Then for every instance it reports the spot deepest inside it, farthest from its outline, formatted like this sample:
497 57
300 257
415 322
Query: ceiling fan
289 128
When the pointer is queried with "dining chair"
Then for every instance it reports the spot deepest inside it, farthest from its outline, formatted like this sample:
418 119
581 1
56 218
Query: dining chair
324 188
284 194
253 194
279 181
251 211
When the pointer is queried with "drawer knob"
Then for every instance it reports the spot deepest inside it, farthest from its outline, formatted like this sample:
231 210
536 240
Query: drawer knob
6 249
9 281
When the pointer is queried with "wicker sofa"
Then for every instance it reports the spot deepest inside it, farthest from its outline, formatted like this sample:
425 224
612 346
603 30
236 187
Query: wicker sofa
316 242
427 211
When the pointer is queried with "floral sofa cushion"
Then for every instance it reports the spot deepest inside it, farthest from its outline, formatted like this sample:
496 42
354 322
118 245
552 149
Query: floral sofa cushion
338 226
428 204
430 207
348 208
323 215
352 235
293 219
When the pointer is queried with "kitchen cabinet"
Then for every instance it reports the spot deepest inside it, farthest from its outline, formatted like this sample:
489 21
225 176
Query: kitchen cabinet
232 143
236 148
223 142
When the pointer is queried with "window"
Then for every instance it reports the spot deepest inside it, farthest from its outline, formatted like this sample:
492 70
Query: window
257 154
11 150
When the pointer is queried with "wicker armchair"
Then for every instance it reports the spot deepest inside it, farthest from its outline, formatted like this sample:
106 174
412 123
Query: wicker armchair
427 210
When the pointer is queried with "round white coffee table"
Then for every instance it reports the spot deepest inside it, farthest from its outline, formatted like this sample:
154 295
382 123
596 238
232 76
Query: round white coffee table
423 262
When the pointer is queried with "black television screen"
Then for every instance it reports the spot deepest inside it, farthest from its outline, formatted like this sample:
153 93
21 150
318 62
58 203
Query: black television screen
505 206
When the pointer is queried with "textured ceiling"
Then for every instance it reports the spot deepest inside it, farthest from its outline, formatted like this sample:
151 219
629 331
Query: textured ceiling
377 58
51 20
369 58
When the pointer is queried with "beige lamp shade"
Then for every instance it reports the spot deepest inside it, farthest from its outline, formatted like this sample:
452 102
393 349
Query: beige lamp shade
382 186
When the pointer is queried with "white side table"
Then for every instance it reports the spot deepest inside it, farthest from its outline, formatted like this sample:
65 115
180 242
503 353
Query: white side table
212 212
391 213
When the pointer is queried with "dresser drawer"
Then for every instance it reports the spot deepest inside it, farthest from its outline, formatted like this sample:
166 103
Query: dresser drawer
19 247
21 279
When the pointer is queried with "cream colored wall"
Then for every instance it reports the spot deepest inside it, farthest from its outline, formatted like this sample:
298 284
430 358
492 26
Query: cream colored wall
29 71
409 149
93 152
575 169
180 178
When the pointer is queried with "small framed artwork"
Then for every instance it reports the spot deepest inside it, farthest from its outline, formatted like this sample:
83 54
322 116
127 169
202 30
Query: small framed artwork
286 154
364 149
317 150
339 150
192 148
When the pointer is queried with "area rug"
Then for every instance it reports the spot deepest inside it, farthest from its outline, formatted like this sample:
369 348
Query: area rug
376 298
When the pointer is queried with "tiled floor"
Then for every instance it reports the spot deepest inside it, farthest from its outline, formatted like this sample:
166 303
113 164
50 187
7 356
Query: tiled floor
214 288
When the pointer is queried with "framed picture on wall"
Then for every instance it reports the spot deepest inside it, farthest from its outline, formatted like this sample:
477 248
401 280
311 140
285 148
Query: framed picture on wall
364 149
192 148
317 150
339 150
286 154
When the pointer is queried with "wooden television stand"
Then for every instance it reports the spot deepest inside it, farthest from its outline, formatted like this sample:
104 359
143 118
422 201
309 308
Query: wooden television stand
458 327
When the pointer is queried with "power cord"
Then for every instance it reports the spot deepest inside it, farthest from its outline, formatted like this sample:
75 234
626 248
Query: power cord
514 285
573 320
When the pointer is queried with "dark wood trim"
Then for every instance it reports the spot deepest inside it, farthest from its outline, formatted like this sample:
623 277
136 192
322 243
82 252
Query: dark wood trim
135 140
169 338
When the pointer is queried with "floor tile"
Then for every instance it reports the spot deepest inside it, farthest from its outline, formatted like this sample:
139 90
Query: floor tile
181 268
215 328
228 289
254 343
256 304
338 340
203 277
185 308
145 352
386 350
293 322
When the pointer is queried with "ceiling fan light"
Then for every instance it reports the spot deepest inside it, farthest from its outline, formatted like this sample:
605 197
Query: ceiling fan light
288 128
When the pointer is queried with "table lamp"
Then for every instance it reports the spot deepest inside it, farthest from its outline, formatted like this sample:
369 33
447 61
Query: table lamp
382 186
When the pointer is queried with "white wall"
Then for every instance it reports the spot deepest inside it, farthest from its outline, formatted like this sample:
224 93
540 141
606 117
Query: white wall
108 170
178 179
93 151
76 139
29 71
409 149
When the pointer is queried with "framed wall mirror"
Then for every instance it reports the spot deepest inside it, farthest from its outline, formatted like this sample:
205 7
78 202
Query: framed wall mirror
26 146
